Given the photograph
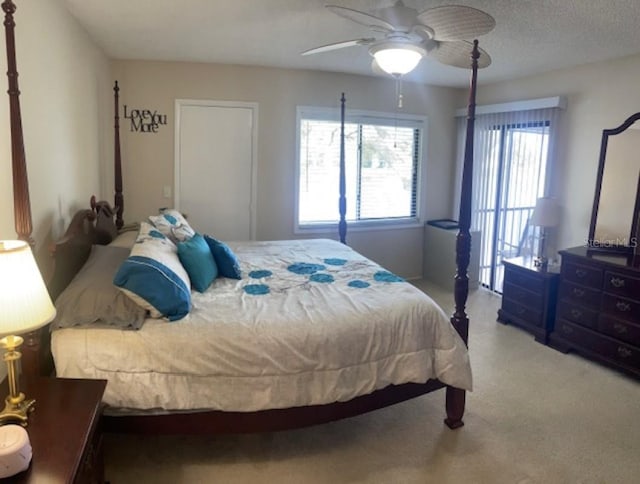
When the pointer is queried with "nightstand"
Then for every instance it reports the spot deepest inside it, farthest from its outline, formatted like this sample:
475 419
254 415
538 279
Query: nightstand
64 430
529 297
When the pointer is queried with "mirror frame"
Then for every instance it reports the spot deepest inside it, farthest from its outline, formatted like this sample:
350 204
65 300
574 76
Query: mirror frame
634 232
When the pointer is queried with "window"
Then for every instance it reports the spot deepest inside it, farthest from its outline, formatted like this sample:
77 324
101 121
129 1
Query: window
382 160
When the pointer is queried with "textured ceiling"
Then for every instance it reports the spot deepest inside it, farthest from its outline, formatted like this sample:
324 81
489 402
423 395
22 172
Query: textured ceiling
531 36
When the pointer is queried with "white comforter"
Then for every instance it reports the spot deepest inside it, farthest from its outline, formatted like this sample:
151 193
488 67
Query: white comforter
296 330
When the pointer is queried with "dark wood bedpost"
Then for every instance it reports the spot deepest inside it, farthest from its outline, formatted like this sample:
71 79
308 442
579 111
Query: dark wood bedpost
455 396
35 340
21 202
342 204
118 198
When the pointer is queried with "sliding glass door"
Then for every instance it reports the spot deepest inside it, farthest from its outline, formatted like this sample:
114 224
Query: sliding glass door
512 152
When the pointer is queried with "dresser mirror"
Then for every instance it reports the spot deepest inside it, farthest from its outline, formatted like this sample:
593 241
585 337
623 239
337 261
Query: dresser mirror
616 206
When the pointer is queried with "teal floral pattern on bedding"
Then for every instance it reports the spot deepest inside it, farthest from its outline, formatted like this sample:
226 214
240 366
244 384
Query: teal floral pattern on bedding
358 284
319 277
386 276
257 289
335 262
259 274
350 274
305 268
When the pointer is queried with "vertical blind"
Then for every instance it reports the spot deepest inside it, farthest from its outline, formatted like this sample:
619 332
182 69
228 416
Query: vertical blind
512 166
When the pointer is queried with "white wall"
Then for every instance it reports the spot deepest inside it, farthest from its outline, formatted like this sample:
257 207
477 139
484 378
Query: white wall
65 100
65 103
600 96
148 158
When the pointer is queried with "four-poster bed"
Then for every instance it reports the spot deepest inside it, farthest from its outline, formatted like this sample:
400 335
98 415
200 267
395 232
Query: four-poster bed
94 226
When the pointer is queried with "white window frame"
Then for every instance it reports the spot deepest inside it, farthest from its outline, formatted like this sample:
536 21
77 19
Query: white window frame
402 120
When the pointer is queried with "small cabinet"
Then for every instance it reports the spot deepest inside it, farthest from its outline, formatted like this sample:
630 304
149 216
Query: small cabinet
528 297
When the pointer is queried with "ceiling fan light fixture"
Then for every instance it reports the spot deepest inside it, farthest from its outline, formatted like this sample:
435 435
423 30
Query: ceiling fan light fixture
397 58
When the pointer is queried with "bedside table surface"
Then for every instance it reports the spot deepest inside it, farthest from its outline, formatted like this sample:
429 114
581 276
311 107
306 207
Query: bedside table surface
528 263
66 414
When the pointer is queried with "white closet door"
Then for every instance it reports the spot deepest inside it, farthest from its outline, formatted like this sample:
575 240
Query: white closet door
215 167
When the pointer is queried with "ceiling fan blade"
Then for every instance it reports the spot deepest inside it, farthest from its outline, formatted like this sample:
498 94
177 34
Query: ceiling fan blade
338 45
458 54
362 18
457 22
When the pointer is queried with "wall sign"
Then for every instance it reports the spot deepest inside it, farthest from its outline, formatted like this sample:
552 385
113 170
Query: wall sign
145 120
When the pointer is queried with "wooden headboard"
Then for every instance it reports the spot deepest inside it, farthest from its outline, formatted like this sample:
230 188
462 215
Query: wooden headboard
88 227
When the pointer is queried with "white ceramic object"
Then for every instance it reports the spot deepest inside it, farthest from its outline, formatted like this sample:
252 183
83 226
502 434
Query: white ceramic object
15 450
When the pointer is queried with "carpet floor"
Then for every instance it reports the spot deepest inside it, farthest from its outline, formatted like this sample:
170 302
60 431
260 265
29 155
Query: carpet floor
535 416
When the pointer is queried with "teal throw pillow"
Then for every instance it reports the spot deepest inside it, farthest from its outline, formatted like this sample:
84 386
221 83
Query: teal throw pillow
226 260
198 261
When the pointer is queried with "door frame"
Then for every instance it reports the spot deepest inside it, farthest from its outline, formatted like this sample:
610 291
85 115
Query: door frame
253 106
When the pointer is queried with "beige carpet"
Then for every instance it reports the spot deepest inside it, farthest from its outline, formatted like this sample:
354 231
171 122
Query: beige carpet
535 416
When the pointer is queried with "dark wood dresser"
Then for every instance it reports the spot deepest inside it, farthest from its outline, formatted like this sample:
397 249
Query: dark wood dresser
528 297
598 313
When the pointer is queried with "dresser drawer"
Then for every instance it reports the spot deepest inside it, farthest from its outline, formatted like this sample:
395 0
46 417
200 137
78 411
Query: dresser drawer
583 275
620 329
621 307
525 314
609 348
622 285
522 296
580 294
577 313
524 279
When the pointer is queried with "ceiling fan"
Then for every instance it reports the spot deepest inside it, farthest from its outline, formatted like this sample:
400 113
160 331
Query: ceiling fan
408 35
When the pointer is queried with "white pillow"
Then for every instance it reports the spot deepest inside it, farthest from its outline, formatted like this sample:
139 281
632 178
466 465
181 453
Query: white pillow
172 224
153 276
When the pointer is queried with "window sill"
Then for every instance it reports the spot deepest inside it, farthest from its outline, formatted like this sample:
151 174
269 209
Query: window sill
357 227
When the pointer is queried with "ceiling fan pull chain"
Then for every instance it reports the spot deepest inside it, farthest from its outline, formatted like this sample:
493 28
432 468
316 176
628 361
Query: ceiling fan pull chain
399 91
398 107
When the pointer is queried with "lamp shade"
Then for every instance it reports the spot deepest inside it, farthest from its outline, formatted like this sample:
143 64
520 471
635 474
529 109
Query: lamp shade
25 304
397 58
546 213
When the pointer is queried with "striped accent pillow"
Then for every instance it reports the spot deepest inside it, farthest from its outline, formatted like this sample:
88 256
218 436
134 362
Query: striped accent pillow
153 276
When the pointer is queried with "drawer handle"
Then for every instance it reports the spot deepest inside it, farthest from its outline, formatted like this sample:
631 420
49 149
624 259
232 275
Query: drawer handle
617 282
624 352
580 273
623 306
576 313
578 292
567 329
620 328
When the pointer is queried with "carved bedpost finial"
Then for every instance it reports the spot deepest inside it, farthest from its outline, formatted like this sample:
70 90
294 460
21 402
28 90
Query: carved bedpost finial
9 8
21 202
